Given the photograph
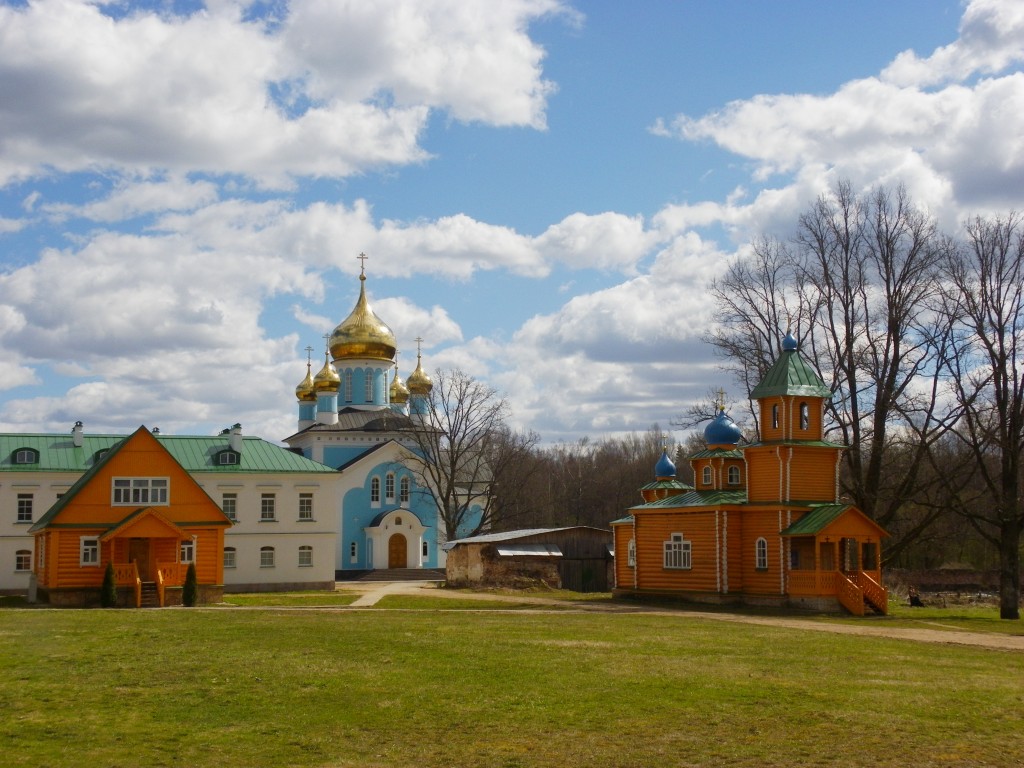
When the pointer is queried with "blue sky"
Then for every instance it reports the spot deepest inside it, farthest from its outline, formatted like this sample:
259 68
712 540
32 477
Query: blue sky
543 188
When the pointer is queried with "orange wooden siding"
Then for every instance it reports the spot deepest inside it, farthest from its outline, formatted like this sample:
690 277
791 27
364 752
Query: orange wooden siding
654 529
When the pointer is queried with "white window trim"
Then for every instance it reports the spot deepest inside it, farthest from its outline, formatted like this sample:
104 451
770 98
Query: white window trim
389 487
761 554
29 507
305 549
20 554
233 514
272 498
273 557
306 515
631 553
234 557
677 553
734 472
89 544
131 495
187 551
706 476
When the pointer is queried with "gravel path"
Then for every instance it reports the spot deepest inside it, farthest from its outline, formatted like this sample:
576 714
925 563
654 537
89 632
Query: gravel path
371 592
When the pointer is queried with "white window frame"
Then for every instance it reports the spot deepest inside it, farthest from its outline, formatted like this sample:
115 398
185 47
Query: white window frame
229 505
133 491
305 506
26 456
353 552
23 561
678 554
805 416
631 553
188 551
267 557
25 504
368 387
775 416
230 557
761 554
305 556
426 551
89 551
389 487
734 475
403 490
348 386
706 476
375 490
268 507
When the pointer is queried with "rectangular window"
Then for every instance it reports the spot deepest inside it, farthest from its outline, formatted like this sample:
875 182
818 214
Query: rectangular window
22 560
375 490
403 487
268 507
266 557
369 387
24 507
229 557
305 557
89 550
305 506
188 551
229 503
139 490
352 552
677 552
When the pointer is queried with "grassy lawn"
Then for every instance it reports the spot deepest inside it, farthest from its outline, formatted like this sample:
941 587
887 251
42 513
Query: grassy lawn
311 598
221 687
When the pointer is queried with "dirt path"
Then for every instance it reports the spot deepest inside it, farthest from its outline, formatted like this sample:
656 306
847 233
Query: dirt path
371 592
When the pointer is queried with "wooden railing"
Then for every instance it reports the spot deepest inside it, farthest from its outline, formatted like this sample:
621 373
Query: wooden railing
851 597
873 592
813 582
127 575
160 586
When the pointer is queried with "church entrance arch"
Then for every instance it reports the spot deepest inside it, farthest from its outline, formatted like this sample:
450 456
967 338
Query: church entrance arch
398 551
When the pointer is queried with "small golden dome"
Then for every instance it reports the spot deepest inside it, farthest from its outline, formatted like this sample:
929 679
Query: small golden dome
419 383
362 334
328 379
398 392
306 391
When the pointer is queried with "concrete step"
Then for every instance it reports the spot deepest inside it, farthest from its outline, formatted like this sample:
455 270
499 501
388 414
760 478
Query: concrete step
404 574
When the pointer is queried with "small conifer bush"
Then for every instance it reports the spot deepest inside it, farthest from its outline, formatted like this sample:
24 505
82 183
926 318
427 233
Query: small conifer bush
190 592
108 592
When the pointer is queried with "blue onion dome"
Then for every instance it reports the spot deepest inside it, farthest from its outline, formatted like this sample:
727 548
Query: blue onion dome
722 430
790 344
664 467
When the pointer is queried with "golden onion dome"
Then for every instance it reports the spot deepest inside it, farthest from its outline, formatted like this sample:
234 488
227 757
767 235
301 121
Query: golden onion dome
306 391
362 334
419 383
328 379
398 392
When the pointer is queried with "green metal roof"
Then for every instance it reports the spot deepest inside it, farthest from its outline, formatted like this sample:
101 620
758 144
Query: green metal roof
672 485
57 453
718 453
790 375
698 499
816 520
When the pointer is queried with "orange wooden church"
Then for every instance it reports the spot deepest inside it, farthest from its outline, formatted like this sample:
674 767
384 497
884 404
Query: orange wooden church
765 523
137 508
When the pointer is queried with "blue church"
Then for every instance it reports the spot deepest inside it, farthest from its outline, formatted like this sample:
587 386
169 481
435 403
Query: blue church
357 415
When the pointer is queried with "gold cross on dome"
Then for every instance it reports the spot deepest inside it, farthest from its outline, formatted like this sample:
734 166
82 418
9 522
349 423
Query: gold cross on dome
721 399
362 257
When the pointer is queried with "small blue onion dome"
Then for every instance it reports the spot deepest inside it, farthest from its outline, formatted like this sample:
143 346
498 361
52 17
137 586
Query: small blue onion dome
722 430
790 344
664 467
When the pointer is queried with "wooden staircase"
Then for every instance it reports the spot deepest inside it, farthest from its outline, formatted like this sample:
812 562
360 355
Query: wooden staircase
150 596
862 594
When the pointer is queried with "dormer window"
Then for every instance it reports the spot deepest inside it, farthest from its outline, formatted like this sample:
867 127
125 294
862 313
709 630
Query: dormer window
228 458
25 456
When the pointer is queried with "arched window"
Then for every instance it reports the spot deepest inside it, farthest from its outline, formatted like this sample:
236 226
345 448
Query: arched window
305 556
227 457
369 385
734 475
775 417
353 551
426 550
348 386
389 487
761 554
26 456
23 560
706 476
375 490
631 553
805 416
403 490
266 557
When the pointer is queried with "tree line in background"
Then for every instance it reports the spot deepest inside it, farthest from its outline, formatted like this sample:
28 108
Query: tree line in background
917 332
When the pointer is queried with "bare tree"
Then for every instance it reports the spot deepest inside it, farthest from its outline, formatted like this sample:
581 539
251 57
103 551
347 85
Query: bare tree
462 446
854 287
986 299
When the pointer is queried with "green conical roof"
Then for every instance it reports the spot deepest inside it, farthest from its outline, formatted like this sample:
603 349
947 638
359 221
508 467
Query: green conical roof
790 375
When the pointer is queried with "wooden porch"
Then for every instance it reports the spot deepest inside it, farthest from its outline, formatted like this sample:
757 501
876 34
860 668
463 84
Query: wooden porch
847 569
149 593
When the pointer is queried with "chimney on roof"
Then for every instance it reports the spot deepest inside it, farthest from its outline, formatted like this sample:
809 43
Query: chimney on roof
235 438
76 434
156 430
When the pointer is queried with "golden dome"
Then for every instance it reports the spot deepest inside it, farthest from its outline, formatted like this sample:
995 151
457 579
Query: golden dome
399 393
328 379
306 391
362 334
419 383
